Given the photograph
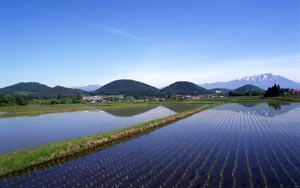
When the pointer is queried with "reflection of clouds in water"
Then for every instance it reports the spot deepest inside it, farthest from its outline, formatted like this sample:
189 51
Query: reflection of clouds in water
262 109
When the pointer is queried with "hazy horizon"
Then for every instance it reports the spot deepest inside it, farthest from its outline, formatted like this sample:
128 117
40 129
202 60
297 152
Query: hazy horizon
155 42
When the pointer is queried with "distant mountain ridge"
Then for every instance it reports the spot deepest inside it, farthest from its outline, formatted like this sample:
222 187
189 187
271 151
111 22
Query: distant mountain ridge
263 81
87 87
141 90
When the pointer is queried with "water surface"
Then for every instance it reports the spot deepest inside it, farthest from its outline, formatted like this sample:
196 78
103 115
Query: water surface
227 146
29 131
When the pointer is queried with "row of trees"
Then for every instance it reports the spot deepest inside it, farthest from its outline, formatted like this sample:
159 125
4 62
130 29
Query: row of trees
12 100
273 91
17 100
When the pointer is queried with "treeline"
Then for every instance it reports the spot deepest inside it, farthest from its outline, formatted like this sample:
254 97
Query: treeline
13 100
273 91
17 100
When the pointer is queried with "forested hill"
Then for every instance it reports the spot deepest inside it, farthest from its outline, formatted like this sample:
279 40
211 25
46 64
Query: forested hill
247 90
184 88
24 88
128 87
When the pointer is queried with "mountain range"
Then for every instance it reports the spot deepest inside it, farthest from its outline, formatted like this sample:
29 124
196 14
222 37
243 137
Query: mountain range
263 81
254 85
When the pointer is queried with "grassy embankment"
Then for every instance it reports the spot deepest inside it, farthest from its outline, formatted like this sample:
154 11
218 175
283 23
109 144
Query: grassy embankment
30 159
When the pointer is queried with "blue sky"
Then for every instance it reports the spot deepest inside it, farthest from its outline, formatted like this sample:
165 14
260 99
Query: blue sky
74 42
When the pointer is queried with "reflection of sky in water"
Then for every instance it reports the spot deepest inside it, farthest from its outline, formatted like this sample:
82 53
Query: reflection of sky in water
30 131
262 109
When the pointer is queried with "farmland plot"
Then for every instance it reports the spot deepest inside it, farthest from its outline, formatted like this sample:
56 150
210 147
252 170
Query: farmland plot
30 131
228 146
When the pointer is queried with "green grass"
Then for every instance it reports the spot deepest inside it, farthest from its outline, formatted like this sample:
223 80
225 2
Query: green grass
29 159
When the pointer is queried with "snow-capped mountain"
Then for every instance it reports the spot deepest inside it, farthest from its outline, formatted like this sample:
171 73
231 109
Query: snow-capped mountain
88 87
263 81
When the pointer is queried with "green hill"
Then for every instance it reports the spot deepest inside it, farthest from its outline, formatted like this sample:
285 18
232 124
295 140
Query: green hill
62 91
184 88
247 90
127 87
24 88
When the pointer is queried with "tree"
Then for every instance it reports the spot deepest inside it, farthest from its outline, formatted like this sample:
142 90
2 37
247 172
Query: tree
273 91
21 101
77 99
11 100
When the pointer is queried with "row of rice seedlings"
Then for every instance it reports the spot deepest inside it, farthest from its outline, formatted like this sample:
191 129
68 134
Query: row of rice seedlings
266 157
111 164
125 174
257 136
279 147
221 148
234 180
126 153
225 181
196 159
258 161
221 182
165 163
202 141
168 166
149 157
203 135
285 138
207 157
218 124
287 145
172 164
276 156
247 152
137 165
292 130
187 157
230 121
291 135
143 176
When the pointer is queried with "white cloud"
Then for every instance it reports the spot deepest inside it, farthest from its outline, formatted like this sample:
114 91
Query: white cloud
117 31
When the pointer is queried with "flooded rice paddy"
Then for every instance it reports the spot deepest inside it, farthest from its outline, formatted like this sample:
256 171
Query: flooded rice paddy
231 145
29 131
